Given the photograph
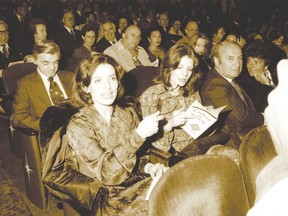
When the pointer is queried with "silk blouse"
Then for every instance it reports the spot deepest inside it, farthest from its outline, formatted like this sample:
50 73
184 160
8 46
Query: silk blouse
101 150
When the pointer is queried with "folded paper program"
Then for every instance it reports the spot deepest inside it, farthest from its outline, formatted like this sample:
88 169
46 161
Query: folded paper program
200 118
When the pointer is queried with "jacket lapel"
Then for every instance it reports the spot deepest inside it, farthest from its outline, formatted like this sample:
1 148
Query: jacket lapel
39 89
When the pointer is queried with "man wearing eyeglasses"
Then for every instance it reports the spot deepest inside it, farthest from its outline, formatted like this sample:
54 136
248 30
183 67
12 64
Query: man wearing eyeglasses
67 38
4 47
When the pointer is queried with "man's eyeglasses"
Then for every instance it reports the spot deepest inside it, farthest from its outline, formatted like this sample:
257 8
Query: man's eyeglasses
4 32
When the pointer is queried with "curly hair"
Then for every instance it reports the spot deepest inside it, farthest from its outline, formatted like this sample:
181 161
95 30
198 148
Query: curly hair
171 61
84 72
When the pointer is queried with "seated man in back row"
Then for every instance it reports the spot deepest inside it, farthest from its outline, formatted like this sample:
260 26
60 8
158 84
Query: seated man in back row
43 88
220 89
127 52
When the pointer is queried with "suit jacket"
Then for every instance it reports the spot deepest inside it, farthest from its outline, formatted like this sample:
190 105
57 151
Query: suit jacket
31 98
67 43
239 118
4 61
17 37
102 44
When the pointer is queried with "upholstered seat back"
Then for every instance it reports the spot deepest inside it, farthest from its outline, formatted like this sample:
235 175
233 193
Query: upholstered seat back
138 80
200 185
15 72
256 151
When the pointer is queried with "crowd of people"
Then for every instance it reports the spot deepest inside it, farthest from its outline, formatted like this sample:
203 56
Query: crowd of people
216 53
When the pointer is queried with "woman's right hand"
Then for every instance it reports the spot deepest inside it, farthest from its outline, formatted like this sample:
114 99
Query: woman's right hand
149 125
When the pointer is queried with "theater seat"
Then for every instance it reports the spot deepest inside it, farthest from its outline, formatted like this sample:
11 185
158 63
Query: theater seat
24 142
138 80
256 150
200 185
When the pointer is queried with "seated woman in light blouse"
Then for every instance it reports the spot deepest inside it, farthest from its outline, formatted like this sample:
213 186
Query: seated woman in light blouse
176 88
105 134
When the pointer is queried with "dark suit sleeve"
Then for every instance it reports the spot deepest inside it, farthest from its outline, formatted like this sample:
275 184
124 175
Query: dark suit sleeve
21 116
220 93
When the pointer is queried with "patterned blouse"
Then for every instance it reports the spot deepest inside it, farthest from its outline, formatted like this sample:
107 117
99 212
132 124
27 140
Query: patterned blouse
105 151
157 98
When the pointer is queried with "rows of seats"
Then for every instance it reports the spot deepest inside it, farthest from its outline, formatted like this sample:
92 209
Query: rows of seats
201 185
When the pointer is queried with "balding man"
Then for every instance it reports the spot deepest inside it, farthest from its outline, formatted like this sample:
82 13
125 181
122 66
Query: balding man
127 51
190 30
221 89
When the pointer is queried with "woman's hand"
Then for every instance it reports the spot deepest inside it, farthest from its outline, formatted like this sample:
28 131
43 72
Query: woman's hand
149 125
179 118
155 170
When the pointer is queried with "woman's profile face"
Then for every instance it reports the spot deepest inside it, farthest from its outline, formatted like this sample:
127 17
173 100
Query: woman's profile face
182 73
104 85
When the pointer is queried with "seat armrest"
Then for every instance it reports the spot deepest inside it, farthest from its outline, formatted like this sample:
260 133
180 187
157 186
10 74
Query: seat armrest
27 131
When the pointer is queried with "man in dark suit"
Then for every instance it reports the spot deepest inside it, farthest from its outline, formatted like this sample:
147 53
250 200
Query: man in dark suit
220 89
18 30
108 30
67 37
4 47
34 94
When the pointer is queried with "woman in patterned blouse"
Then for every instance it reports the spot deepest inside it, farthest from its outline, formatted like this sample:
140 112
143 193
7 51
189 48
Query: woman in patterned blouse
176 89
105 135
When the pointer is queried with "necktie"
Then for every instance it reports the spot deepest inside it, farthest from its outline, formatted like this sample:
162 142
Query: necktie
5 51
55 92
73 34
239 91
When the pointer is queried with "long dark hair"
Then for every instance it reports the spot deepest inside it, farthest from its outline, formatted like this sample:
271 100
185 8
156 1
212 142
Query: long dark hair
171 61
84 72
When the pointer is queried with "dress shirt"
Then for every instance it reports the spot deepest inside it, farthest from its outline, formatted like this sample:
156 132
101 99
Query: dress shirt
2 47
47 84
124 57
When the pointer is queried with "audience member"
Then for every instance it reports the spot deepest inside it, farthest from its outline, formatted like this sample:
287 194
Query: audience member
154 51
217 33
234 37
127 51
220 89
105 134
78 14
37 33
190 29
200 45
272 181
148 20
5 56
176 88
89 18
175 28
5 52
37 91
17 23
168 40
67 37
261 65
121 25
89 35
108 30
